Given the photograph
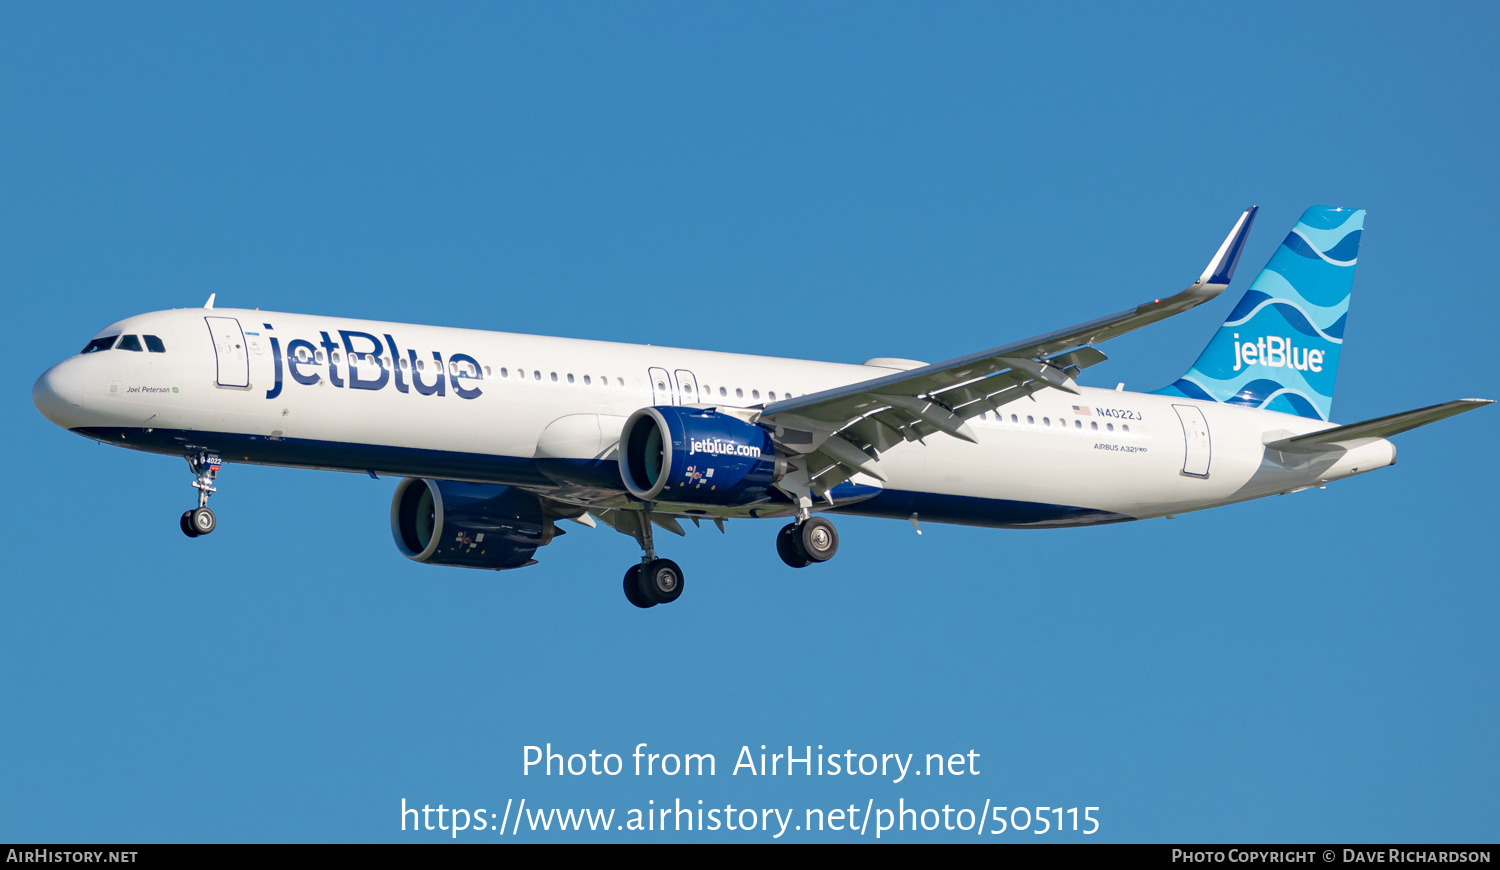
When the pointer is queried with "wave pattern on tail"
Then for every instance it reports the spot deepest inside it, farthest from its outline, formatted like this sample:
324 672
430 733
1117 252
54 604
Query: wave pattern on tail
1279 348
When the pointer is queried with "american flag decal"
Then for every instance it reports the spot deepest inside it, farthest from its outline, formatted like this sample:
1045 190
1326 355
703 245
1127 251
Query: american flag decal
1082 411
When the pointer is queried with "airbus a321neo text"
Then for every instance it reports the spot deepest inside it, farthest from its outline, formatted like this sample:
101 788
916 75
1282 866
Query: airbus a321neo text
500 436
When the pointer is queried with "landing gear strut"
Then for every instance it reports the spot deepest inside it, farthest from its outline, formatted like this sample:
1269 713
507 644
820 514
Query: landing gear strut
200 520
812 540
654 581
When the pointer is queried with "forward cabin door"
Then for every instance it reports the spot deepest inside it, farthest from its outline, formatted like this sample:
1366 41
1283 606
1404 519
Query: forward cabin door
1195 433
229 348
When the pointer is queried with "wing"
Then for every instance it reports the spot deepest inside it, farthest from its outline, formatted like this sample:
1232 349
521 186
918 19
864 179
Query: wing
842 432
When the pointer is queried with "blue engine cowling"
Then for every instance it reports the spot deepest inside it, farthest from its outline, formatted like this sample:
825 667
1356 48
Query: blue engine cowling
697 456
470 525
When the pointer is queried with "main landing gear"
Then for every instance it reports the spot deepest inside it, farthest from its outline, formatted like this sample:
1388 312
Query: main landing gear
654 581
659 581
200 520
810 540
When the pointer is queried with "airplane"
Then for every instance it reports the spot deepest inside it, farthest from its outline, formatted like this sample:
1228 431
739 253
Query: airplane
497 437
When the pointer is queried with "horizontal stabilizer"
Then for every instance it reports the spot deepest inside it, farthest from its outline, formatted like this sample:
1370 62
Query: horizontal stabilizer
1380 427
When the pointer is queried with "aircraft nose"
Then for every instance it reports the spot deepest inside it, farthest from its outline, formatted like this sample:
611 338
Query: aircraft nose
56 396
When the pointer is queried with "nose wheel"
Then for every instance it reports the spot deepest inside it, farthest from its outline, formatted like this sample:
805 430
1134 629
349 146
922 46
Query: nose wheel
812 540
201 520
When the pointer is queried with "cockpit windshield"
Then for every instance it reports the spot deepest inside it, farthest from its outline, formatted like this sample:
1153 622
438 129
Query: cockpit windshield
99 344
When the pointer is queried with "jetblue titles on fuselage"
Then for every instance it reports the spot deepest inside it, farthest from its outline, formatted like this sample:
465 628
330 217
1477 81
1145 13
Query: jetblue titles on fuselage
368 368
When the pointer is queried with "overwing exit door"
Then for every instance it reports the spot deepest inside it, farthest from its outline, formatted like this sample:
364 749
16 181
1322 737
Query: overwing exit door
229 348
687 387
662 392
678 388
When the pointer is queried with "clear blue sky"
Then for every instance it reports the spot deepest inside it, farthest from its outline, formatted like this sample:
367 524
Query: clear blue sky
833 181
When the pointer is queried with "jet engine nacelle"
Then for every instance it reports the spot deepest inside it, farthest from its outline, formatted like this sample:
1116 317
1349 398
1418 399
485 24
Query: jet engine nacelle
471 525
697 456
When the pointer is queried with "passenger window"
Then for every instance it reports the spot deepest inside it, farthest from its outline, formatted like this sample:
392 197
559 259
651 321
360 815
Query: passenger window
1077 424
773 395
554 377
587 380
1094 426
755 394
570 377
739 393
99 344
1030 420
154 344
504 372
129 342
1124 428
486 371
1013 419
1046 421
723 392
536 374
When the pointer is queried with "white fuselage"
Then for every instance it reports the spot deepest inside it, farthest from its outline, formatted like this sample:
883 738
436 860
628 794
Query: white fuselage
1052 459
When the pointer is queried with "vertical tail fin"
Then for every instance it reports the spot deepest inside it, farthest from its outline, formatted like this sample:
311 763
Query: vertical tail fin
1279 348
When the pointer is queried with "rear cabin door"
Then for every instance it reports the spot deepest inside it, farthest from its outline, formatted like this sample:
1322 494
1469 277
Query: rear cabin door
229 348
1195 432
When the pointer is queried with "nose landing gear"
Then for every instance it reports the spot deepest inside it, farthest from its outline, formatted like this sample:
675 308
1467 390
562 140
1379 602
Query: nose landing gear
201 520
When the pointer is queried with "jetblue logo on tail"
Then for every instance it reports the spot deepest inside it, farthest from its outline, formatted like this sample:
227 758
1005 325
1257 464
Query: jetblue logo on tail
1275 352
1279 349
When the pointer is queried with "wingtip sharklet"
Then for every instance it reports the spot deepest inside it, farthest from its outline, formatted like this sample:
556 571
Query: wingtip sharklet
1221 268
